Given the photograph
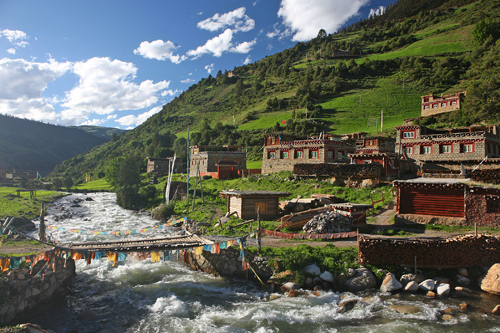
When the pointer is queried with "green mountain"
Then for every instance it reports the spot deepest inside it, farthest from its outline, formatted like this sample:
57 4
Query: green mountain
106 133
416 48
27 145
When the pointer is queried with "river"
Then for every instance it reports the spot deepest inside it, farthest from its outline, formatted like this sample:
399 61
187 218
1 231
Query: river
167 296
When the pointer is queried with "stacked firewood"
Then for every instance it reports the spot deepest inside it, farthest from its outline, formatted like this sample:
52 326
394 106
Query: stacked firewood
345 171
491 176
459 251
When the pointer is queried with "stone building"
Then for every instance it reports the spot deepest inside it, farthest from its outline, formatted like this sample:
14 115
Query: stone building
433 148
159 165
221 162
432 105
377 149
282 152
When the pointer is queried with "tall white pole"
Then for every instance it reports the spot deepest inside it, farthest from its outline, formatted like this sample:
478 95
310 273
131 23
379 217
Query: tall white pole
382 121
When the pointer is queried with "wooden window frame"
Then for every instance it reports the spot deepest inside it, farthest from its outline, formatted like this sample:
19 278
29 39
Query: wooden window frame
297 152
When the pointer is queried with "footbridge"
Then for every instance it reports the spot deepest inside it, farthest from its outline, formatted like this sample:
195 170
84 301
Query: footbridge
138 245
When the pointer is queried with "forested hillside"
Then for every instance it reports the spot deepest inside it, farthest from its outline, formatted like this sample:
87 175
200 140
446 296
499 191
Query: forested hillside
27 145
416 48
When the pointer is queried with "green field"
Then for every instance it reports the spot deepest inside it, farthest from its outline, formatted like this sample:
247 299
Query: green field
11 205
94 185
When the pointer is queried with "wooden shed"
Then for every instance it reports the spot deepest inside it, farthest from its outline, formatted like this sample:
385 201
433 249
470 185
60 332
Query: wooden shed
246 203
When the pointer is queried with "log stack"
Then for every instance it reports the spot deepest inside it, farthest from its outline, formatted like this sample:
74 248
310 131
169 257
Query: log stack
490 176
343 171
455 252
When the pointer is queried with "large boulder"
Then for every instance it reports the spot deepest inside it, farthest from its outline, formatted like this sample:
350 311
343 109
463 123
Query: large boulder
443 289
390 283
327 276
312 269
427 285
363 280
491 281
369 183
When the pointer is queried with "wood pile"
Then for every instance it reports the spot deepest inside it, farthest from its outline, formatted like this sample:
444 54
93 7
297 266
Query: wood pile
344 171
458 251
491 176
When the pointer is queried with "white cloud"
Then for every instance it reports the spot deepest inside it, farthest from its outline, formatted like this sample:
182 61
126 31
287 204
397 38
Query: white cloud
106 86
216 45
377 12
22 84
159 50
279 33
306 17
93 122
209 68
132 120
15 37
188 80
170 92
11 50
247 60
244 47
237 19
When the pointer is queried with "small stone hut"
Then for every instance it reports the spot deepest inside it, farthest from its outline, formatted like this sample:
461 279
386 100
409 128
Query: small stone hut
246 203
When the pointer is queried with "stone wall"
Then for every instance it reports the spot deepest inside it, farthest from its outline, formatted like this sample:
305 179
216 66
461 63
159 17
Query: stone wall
21 291
476 208
228 264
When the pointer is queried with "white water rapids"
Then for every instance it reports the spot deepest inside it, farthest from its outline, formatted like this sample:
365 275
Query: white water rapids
167 296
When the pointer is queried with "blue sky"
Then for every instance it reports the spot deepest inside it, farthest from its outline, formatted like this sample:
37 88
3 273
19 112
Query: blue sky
115 63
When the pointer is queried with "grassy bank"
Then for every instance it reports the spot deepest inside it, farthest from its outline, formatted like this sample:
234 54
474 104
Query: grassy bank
13 205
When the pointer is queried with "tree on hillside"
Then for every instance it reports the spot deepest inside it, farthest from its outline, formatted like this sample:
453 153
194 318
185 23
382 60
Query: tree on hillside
484 29
68 183
57 182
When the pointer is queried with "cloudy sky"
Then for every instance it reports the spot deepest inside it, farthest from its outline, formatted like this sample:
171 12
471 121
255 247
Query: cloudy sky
115 63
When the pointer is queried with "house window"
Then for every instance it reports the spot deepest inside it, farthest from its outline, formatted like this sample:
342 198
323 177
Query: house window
273 141
443 104
299 154
434 106
446 149
408 134
329 154
468 148
492 205
426 150
340 155
453 103
271 155
313 154
284 154
409 150
426 107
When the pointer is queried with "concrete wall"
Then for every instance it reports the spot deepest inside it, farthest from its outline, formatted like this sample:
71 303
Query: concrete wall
21 291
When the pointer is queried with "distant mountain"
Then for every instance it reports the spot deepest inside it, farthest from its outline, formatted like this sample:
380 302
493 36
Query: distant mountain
27 145
101 132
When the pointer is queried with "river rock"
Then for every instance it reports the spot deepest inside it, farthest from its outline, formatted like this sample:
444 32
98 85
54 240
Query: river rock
327 276
427 285
443 289
463 272
347 305
447 317
390 283
351 272
491 281
273 297
313 270
412 286
462 280
430 294
496 310
363 280
406 309
289 286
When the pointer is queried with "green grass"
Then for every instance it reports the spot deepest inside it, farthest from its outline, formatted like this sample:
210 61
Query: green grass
95 185
11 205
266 121
254 164
349 112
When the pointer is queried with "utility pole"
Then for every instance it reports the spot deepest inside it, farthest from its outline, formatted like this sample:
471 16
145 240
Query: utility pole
381 120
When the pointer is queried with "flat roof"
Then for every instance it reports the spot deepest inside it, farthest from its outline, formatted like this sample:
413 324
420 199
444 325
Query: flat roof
255 193
422 180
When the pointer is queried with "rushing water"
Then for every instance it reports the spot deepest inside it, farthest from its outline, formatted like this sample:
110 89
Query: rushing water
140 296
